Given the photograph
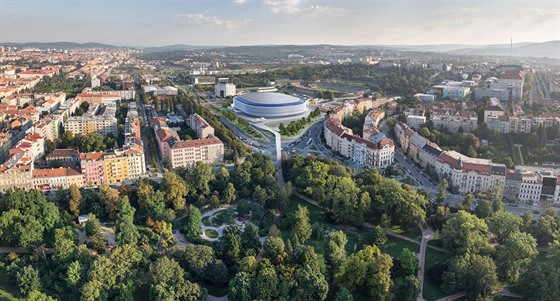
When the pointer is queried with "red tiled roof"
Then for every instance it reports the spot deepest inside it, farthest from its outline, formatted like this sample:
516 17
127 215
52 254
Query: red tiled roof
197 143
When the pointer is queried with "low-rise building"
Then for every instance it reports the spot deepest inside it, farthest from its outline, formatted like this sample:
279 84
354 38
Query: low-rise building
67 157
202 128
56 178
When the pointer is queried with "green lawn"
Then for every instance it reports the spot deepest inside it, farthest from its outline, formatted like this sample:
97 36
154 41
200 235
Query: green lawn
211 233
433 257
413 233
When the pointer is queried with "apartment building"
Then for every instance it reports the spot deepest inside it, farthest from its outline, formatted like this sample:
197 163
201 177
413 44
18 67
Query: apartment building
98 119
202 128
374 149
16 173
454 120
55 178
93 168
186 153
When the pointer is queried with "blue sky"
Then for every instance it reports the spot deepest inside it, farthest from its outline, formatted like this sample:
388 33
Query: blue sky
257 22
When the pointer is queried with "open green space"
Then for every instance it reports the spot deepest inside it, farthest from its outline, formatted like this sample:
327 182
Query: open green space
433 257
211 233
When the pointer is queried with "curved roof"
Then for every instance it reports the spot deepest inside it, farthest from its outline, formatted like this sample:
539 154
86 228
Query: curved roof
269 99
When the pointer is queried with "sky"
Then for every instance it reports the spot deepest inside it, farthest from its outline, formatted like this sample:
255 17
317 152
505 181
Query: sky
262 22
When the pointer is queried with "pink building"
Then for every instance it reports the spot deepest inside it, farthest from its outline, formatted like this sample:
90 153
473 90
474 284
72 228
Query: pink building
92 168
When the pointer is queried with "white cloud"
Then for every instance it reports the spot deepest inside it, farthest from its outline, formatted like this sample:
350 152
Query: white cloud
294 7
239 1
537 16
213 21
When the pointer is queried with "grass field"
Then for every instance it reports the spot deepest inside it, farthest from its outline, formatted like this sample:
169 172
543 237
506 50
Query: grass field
433 257
211 233
393 246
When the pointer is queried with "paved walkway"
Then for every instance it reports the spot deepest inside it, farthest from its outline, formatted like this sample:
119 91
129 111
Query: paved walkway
427 235
503 292
368 225
213 298
19 250
453 297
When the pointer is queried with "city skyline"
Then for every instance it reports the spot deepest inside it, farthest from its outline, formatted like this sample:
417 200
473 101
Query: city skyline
262 22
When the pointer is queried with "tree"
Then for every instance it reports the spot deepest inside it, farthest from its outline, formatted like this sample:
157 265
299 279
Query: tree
229 193
467 203
375 236
260 195
166 282
126 231
368 269
75 200
335 254
240 287
409 288
545 229
273 248
344 294
517 252
175 189
311 284
475 274
442 187
250 243
143 189
110 197
503 224
302 226
408 262
65 245
193 222
483 209
92 225
266 282
540 282
39 296
465 233
28 280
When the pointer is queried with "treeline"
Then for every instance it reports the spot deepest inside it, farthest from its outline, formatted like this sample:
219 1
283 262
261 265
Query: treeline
351 198
69 261
387 81
225 134
491 246
296 126
60 83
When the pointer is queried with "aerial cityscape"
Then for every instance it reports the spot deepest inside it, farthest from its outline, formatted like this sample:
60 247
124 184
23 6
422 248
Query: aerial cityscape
279 150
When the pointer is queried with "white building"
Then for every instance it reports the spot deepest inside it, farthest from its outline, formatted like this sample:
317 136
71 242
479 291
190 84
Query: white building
223 90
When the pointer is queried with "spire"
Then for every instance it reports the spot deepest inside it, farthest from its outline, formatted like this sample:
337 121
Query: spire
459 164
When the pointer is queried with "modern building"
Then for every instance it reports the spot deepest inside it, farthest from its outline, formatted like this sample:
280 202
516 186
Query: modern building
269 105
224 89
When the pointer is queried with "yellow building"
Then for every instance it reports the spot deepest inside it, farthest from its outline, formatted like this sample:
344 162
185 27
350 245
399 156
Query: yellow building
116 168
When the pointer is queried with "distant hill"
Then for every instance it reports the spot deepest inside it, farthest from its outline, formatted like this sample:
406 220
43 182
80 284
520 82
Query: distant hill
177 47
58 45
550 49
